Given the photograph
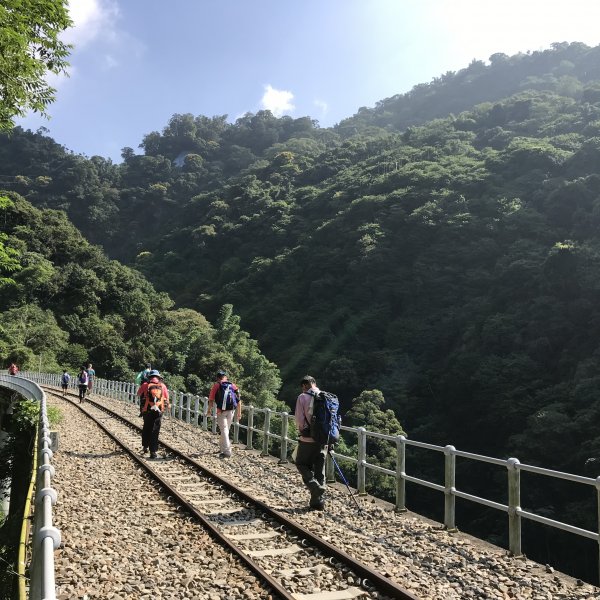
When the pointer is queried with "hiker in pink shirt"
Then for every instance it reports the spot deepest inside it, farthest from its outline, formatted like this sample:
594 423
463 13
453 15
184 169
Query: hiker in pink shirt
310 458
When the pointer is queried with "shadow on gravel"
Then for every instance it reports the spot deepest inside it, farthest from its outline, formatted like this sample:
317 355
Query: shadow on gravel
92 455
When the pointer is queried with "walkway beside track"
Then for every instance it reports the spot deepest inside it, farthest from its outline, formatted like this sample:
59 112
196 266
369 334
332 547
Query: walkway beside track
114 546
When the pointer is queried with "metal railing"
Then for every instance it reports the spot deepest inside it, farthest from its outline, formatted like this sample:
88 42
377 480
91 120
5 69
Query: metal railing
193 409
45 538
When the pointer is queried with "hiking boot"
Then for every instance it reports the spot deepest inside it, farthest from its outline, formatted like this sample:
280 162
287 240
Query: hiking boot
316 496
144 450
320 505
223 455
153 455
315 486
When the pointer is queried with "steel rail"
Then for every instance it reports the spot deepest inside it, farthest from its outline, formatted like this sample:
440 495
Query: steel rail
165 485
366 573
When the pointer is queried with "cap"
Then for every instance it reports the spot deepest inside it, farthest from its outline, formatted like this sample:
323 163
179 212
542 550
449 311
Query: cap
154 373
221 373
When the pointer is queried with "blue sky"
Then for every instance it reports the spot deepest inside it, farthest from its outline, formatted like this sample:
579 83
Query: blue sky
138 62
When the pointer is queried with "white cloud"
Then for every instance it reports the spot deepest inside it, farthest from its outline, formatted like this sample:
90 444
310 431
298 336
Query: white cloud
322 106
91 18
277 101
96 22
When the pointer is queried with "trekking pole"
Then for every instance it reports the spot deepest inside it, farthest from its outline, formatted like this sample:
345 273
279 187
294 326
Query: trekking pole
339 470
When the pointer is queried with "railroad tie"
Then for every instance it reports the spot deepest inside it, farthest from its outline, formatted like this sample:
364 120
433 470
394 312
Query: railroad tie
225 511
298 572
197 494
241 523
208 502
293 549
254 536
348 594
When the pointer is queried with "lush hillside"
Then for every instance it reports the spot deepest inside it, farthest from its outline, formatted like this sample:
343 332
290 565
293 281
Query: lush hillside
63 302
564 69
442 247
450 264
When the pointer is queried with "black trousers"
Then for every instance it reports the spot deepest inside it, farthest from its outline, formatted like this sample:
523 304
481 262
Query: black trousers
310 462
151 429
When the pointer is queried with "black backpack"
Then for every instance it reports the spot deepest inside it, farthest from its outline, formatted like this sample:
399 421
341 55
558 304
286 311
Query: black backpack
325 422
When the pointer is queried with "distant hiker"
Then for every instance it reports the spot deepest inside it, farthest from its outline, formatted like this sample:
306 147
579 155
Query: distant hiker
91 375
226 395
318 428
142 376
82 383
13 369
154 400
64 382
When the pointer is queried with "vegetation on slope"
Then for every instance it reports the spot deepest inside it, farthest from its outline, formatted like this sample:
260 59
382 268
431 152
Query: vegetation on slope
437 256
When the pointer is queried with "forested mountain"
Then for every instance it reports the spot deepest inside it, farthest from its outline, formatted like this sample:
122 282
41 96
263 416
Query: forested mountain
429 261
63 302
442 247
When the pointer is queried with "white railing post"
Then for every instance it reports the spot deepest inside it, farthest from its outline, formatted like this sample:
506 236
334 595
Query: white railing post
188 408
450 488
285 425
250 430
236 428
214 418
400 474
514 505
177 410
361 469
266 431
205 414
196 410
329 468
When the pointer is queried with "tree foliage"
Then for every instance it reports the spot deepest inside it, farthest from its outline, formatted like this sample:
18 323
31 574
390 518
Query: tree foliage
31 49
439 250
67 304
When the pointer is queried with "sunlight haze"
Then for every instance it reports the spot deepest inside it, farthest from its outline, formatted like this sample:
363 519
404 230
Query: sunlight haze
137 63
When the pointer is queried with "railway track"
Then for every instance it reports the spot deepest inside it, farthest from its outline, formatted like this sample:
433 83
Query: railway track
294 562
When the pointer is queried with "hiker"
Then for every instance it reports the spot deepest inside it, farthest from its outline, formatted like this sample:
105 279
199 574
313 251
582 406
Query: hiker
82 383
142 376
64 382
13 369
310 457
226 395
91 374
154 400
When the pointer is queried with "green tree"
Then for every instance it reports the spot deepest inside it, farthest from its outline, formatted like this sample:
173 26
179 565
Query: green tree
256 375
31 48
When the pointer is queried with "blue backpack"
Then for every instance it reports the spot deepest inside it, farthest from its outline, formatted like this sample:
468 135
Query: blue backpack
325 422
226 398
